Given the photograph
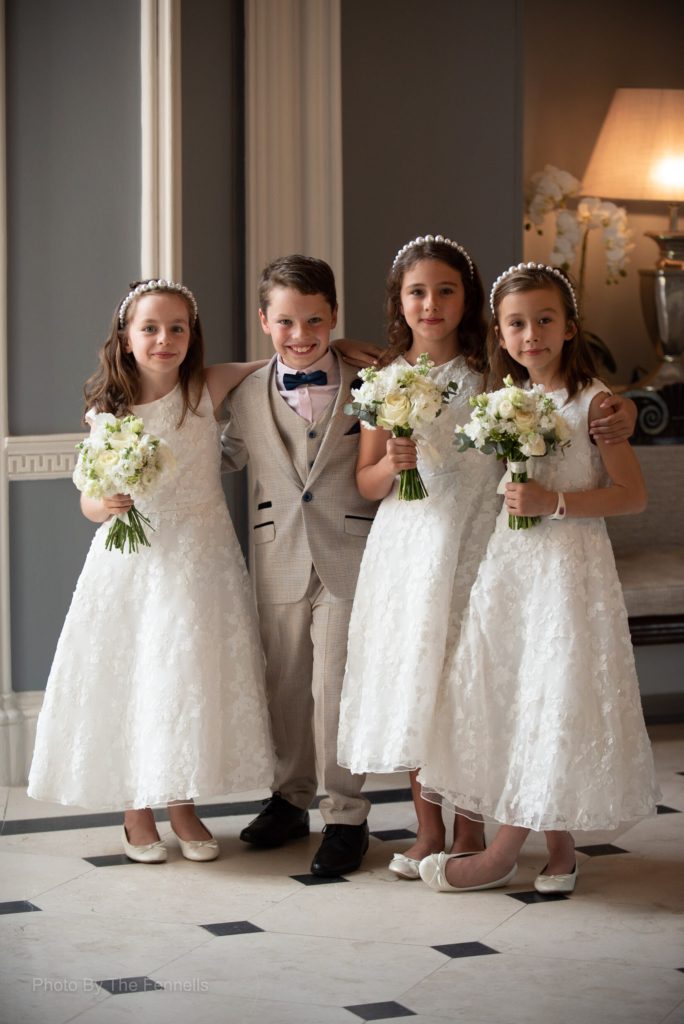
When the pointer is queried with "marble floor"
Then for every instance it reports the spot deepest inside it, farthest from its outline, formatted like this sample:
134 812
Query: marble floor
91 937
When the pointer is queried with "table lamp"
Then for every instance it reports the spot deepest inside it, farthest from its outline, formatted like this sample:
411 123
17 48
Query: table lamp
639 154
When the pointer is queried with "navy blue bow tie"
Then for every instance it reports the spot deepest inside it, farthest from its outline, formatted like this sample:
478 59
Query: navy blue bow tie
295 380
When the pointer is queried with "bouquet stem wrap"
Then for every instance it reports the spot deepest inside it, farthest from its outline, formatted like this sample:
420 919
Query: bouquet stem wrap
411 486
519 476
132 532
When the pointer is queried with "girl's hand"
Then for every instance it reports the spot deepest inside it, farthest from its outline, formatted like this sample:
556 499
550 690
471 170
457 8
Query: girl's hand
358 353
118 505
401 454
530 499
619 425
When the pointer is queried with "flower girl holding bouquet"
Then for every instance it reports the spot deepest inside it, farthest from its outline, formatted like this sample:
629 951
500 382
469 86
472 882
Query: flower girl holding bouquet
156 690
422 553
539 722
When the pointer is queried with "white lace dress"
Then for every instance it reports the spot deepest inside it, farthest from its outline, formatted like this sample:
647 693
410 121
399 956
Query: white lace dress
539 722
156 690
420 561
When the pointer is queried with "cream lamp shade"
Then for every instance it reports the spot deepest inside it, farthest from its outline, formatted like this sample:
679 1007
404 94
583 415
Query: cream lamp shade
639 153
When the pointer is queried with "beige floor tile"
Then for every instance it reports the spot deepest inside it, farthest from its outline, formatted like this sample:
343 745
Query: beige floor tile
24 877
677 1015
78 946
529 990
178 891
33 1000
295 968
630 878
218 1005
594 932
405 912
91 842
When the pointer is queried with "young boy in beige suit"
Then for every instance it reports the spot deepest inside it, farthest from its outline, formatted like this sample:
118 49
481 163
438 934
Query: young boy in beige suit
310 529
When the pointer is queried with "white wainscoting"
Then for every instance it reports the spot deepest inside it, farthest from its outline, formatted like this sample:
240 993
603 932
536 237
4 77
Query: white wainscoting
42 456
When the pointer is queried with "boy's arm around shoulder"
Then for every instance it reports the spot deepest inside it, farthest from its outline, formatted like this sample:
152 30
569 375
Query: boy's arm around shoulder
234 454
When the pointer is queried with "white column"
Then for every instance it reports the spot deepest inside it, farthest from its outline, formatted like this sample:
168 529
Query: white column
11 717
161 209
294 142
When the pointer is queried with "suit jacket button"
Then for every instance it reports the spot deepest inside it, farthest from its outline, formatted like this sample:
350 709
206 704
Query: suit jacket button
307 496
312 433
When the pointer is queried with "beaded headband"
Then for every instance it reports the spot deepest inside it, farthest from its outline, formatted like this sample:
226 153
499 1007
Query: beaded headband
155 286
434 238
534 266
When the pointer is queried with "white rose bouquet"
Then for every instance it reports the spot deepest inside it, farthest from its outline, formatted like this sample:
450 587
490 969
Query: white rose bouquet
518 425
118 458
401 399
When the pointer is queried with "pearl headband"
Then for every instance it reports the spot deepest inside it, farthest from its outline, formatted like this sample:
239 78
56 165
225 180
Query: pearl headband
434 238
155 286
535 266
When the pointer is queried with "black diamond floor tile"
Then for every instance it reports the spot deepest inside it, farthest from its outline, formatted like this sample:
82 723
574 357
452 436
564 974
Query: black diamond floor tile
537 897
124 986
17 907
380 1011
681 969
392 834
317 879
232 928
601 850
109 860
662 809
459 949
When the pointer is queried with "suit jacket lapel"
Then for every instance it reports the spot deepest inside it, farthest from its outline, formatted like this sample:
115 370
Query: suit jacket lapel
339 424
271 434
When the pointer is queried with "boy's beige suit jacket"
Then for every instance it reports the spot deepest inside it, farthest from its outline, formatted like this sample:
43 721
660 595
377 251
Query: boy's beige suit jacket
320 519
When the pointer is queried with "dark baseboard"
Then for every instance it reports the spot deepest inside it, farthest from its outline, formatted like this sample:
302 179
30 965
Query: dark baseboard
657 629
663 708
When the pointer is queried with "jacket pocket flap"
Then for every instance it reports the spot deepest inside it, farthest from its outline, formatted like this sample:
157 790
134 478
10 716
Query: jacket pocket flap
264 532
359 526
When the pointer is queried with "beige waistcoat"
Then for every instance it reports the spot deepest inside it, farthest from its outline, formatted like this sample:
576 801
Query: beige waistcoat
307 509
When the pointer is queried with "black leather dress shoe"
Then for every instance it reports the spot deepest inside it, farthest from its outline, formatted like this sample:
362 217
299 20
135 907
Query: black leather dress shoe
279 821
341 851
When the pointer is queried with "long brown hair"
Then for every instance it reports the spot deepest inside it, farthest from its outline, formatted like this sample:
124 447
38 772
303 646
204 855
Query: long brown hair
577 362
115 386
472 330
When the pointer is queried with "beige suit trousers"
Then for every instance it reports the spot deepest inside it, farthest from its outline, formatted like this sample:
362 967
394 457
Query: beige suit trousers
306 651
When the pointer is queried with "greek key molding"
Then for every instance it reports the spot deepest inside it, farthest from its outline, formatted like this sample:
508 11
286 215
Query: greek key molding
41 456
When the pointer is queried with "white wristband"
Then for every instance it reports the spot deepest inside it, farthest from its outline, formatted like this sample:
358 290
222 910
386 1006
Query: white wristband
560 507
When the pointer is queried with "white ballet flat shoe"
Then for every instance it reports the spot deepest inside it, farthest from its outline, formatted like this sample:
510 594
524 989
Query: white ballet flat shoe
198 849
405 867
556 883
433 872
153 853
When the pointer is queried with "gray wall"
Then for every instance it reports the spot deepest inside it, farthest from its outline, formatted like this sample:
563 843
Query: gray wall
73 153
212 82
73 165
432 135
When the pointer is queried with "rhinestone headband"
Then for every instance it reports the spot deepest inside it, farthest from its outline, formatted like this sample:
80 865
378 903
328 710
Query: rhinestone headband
155 286
534 266
434 238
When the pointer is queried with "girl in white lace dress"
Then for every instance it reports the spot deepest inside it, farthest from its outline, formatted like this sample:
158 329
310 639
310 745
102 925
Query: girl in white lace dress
408 583
539 722
156 692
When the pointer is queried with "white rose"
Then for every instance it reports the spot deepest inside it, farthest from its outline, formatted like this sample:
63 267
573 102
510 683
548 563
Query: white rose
535 445
560 426
525 421
394 411
105 462
506 408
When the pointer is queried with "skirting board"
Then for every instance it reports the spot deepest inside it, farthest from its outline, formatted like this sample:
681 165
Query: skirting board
659 709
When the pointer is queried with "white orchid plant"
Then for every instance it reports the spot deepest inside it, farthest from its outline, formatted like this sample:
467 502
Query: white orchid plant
549 191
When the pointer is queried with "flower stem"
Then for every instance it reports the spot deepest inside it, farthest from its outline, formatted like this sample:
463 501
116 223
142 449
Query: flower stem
411 486
133 533
521 522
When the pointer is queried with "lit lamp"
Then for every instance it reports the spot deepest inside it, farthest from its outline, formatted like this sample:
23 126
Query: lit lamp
639 154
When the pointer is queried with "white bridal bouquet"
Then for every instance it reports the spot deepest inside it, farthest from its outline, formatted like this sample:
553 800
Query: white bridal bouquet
518 425
402 399
118 458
